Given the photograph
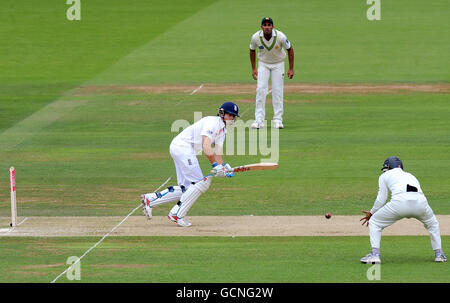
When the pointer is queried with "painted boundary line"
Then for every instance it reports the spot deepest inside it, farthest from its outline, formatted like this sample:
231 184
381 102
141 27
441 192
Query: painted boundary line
104 237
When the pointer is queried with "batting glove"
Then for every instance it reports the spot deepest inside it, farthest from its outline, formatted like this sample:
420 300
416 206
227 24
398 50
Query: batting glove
228 170
218 170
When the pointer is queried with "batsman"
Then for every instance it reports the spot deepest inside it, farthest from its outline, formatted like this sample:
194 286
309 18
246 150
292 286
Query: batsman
208 136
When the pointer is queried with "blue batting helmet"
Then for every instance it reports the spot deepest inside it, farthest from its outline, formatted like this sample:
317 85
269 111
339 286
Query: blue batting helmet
229 107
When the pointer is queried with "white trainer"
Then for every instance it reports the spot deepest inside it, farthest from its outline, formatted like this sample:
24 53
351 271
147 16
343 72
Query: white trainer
371 259
257 125
440 258
183 222
278 124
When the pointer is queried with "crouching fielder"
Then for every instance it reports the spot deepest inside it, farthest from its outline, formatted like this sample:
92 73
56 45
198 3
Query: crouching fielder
407 201
200 136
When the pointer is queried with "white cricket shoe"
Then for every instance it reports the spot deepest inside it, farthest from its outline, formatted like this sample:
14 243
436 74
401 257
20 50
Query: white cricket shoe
183 222
148 198
148 212
172 217
371 259
145 207
278 124
257 125
440 257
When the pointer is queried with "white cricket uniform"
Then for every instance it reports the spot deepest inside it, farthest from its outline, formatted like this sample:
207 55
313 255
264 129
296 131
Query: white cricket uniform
403 204
271 56
188 143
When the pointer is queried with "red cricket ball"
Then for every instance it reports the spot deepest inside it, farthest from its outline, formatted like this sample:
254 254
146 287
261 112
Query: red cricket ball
328 215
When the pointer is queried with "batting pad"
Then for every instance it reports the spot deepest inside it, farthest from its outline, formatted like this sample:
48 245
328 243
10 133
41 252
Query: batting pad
191 195
171 194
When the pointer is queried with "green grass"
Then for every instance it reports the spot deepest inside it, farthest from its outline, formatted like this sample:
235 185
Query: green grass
207 41
46 55
44 47
333 42
241 259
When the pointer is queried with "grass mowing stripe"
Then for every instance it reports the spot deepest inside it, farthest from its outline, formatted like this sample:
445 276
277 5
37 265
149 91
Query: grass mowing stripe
33 124
47 55
333 42
406 259
329 157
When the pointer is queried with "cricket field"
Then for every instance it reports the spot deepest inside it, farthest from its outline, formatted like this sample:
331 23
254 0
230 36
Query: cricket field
89 107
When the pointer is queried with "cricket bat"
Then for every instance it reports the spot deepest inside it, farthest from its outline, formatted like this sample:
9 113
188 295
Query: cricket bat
255 166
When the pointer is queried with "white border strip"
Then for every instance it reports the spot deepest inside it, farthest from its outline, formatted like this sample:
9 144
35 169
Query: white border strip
104 237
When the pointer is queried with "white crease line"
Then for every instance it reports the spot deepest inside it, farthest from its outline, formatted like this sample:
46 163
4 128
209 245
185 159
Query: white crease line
11 229
193 92
104 237
7 230
196 90
23 221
